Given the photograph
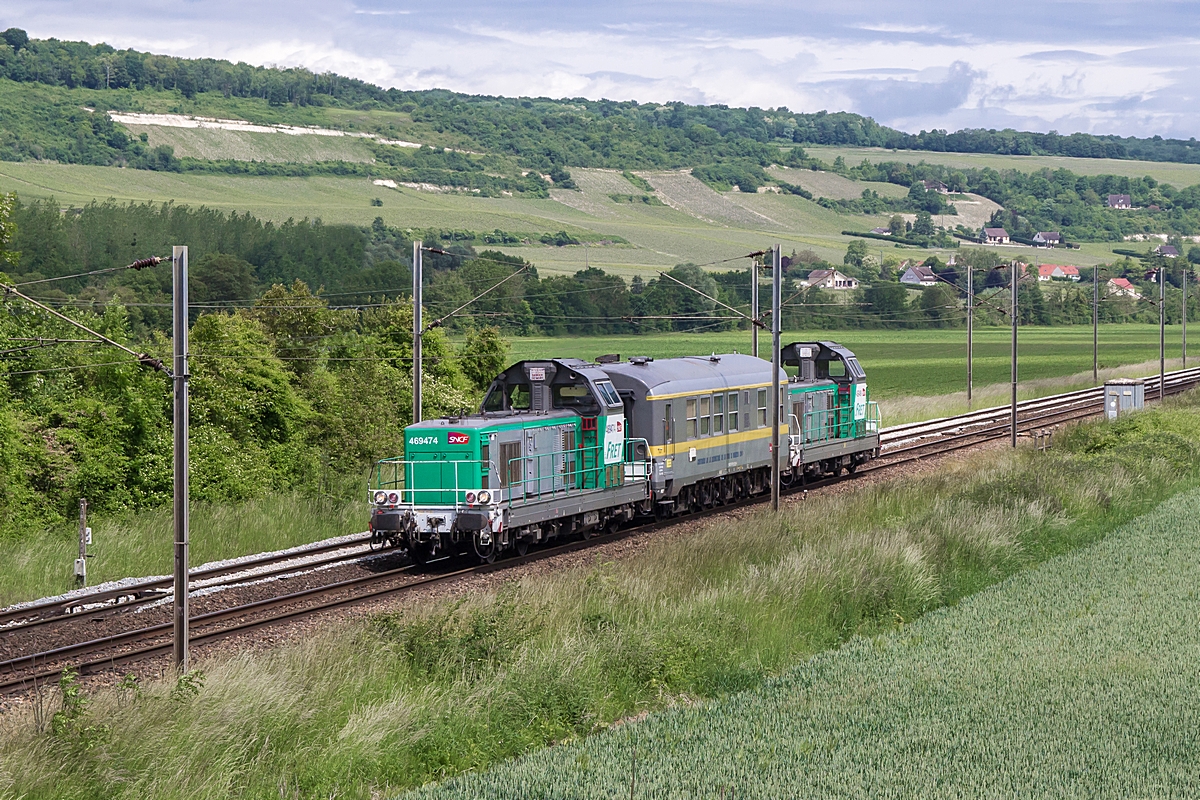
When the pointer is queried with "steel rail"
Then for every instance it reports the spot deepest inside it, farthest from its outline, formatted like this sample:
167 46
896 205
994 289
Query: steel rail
1180 381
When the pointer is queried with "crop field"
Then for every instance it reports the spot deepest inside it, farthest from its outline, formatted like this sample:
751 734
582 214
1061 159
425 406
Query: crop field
832 185
246 146
902 365
1074 679
1178 175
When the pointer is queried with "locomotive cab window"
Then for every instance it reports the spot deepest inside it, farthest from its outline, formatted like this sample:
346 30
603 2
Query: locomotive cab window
856 369
574 395
608 393
831 369
517 397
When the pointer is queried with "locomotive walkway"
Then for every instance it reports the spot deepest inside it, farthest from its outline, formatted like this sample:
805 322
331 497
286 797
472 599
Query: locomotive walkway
39 640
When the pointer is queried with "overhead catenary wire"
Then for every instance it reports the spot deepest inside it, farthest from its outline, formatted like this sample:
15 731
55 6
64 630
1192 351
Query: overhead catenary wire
144 359
140 264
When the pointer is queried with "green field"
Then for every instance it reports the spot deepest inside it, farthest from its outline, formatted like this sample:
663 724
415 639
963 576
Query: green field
705 226
920 363
1074 679
1179 175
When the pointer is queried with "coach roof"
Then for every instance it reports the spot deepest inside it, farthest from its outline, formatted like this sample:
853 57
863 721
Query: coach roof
674 377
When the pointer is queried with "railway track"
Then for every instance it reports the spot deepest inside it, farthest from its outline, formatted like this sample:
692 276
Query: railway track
899 445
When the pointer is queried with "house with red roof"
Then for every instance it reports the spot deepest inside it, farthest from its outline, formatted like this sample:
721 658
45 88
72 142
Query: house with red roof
1121 287
1059 272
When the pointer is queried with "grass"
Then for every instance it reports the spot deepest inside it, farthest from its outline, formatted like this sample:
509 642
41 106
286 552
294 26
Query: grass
1076 679
141 544
1179 175
442 687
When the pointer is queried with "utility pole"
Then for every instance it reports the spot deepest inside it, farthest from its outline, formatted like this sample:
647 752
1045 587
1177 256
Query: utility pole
1187 276
970 332
776 286
1013 282
1096 325
754 305
1162 332
179 280
417 331
81 562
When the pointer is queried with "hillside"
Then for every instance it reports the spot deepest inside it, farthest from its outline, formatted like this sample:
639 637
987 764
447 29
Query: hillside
541 132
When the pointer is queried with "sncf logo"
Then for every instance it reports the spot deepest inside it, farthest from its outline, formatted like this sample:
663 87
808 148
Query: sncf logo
458 438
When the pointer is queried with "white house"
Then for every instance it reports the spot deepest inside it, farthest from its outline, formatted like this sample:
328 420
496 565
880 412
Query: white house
830 279
1062 272
919 276
995 236
1120 201
1047 238
1167 251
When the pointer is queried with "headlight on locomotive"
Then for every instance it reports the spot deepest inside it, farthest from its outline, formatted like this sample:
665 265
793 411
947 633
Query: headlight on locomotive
380 498
470 498
485 497
393 498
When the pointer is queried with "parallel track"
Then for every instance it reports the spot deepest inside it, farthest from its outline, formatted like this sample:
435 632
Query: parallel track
899 445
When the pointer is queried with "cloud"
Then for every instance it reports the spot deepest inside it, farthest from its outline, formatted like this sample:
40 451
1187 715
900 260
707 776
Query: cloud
1064 64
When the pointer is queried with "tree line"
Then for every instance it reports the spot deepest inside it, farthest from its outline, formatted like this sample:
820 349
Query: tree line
541 132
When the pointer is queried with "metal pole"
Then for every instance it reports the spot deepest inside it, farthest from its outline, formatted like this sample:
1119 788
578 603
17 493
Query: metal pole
1162 332
1096 325
970 332
1187 275
754 305
1013 281
776 283
417 333
179 279
81 562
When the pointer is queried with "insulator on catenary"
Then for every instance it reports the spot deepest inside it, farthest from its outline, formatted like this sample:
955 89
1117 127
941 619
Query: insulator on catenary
152 261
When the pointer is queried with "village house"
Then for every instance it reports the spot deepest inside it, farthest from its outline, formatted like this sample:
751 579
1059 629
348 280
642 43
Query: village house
935 186
881 231
1167 251
1120 201
995 236
829 279
1062 272
919 276
1121 287
1047 238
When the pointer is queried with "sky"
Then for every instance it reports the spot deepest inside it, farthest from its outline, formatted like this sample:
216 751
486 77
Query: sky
1104 66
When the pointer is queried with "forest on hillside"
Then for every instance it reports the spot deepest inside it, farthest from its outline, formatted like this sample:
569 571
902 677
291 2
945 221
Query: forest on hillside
541 132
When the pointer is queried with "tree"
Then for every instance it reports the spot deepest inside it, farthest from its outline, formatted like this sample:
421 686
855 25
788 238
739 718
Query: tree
8 230
856 251
896 225
1193 255
483 355
924 224
939 304
887 300
218 277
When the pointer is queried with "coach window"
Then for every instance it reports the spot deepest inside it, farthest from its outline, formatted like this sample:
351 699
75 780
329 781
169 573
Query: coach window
733 412
705 415
668 425
762 408
718 414
692 430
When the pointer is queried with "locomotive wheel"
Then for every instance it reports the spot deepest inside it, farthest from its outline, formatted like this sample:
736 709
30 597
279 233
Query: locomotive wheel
486 553
522 546
852 467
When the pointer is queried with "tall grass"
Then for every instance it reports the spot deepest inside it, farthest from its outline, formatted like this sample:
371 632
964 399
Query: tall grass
141 544
442 687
